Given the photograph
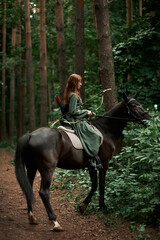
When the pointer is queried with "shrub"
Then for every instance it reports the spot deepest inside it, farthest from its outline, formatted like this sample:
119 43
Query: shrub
133 190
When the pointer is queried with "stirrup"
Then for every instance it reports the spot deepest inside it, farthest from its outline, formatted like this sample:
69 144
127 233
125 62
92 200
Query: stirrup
98 162
95 163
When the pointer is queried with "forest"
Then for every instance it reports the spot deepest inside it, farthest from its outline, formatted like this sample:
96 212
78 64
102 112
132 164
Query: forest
111 44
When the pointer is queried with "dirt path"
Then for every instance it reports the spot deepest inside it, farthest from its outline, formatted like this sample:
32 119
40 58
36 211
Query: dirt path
14 221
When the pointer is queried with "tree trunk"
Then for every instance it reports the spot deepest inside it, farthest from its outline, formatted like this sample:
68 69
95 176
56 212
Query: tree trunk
94 14
140 8
107 76
24 94
43 65
12 91
53 91
79 42
49 100
19 79
129 17
60 46
3 120
29 67
129 11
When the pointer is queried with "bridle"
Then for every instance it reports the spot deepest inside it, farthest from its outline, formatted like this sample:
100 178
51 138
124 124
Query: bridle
130 113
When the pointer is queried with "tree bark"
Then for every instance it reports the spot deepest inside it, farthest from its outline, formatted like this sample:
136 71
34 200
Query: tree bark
129 11
49 100
129 17
94 14
140 8
107 76
43 65
19 79
60 46
24 94
79 42
12 91
29 67
3 119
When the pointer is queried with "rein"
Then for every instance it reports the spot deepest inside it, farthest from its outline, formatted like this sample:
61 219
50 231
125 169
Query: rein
118 118
138 120
135 119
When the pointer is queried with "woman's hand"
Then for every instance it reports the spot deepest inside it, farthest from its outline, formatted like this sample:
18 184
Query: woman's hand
90 113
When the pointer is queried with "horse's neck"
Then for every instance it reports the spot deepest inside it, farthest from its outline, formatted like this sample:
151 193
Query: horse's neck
113 122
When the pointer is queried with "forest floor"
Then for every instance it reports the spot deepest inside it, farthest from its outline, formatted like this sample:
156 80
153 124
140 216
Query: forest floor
14 220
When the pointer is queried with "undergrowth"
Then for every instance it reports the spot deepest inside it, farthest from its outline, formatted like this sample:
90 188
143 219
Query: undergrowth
11 147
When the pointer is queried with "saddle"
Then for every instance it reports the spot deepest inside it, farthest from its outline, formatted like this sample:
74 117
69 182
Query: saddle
75 139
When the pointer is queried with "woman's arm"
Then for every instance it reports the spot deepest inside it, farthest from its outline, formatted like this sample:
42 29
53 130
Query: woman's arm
73 109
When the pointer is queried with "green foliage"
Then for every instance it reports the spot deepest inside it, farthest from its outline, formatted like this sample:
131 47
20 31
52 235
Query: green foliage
133 189
139 230
74 181
8 146
117 20
136 60
69 179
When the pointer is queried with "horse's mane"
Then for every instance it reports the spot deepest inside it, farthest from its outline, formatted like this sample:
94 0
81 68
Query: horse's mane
114 109
112 120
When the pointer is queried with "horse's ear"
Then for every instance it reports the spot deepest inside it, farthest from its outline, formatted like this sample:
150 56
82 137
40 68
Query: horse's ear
134 96
125 97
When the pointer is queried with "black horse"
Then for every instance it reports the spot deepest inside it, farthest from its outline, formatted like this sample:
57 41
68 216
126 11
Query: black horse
46 148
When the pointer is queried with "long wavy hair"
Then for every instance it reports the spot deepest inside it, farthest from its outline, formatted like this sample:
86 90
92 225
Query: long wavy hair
72 86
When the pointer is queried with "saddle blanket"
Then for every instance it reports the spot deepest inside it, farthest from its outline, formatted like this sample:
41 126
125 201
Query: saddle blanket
75 139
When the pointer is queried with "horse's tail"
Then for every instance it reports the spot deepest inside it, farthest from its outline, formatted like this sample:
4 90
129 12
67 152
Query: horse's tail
20 168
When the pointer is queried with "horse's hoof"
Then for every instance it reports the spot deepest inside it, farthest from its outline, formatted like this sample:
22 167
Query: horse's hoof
57 227
82 208
32 219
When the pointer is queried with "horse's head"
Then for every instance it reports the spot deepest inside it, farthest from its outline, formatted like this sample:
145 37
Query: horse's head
135 111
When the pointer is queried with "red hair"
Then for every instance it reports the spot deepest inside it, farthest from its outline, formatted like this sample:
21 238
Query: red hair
72 86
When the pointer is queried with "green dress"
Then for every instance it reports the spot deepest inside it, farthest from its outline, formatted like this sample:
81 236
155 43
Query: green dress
90 139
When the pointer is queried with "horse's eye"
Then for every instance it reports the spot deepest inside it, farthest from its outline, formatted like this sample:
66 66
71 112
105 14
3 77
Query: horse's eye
134 105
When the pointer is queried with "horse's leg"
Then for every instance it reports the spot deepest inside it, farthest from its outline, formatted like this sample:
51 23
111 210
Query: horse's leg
44 194
31 171
84 204
102 174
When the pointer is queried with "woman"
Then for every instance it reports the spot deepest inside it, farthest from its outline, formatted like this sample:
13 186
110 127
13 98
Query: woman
90 139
